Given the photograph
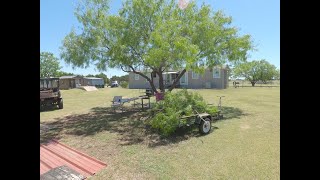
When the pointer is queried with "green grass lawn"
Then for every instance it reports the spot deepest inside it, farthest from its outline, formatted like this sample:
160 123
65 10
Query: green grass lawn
245 145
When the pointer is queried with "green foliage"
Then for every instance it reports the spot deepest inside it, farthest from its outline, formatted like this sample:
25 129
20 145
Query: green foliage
277 75
124 78
153 34
62 73
255 71
104 77
49 65
124 84
166 114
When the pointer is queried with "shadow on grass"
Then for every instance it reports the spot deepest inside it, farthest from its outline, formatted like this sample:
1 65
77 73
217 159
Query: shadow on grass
49 108
99 119
130 126
231 112
181 134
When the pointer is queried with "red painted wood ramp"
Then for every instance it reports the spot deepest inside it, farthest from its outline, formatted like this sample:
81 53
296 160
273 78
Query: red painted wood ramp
55 154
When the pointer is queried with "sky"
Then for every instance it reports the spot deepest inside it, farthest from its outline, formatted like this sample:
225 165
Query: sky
259 18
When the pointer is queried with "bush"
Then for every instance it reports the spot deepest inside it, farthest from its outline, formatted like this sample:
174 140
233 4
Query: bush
124 84
166 114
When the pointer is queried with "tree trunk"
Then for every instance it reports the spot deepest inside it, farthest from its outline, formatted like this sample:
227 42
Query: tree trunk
253 83
154 89
161 85
143 75
177 80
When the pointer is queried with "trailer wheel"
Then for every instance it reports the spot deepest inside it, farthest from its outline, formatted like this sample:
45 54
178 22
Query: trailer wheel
60 105
205 126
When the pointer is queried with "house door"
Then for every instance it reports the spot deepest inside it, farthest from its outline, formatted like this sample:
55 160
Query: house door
166 78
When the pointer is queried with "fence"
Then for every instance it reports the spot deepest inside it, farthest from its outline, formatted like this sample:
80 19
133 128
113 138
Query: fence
243 83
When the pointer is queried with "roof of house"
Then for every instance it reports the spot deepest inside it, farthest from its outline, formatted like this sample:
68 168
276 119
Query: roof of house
177 71
222 66
92 78
67 77
49 78
171 72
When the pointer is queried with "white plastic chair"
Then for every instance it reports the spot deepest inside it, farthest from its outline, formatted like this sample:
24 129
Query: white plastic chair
117 102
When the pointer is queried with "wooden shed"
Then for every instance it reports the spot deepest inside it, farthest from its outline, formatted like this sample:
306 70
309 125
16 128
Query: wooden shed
70 82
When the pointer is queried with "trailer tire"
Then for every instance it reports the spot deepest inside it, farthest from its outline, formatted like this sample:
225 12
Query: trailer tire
205 126
60 105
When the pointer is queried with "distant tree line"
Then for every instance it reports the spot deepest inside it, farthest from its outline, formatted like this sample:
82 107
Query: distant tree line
124 78
50 67
257 70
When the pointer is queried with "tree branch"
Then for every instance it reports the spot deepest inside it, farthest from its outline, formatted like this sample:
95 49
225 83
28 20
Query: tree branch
142 61
146 77
199 53
124 70
177 79
136 52
104 35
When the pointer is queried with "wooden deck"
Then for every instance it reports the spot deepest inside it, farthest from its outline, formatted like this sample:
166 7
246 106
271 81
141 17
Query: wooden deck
55 154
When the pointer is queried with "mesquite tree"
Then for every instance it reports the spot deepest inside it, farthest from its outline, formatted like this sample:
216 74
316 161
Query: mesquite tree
258 70
153 34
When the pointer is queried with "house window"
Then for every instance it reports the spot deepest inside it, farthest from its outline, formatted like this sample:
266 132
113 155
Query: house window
168 78
136 76
216 73
195 75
